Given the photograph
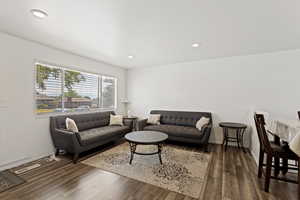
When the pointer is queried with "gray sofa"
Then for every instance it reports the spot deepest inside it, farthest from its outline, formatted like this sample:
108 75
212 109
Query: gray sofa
94 130
180 126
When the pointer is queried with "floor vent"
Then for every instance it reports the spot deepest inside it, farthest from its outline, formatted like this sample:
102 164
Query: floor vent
35 164
26 169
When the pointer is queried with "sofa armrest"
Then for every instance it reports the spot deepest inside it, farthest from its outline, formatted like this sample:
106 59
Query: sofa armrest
129 123
207 126
64 131
141 124
206 130
67 140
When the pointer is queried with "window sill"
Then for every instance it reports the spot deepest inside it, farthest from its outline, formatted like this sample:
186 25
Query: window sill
47 115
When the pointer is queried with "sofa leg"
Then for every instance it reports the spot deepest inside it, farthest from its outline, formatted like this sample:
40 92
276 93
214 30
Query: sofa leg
205 148
75 158
56 151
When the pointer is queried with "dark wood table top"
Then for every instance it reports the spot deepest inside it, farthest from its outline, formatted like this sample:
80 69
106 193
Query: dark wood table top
232 125
146 137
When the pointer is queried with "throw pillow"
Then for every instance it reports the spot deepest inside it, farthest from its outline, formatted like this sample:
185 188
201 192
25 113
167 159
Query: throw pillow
71 125
116 120
154 119
201 122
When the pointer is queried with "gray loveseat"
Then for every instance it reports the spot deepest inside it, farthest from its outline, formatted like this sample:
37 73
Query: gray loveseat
94 130
180 126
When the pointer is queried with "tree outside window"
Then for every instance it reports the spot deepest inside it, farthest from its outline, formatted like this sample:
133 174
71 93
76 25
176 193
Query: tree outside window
62 90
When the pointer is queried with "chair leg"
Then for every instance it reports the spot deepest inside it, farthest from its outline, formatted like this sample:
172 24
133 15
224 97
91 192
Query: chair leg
285 166
260 163
268 173
277 166
226 137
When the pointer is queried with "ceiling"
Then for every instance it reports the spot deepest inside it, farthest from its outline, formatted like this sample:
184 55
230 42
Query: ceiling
156 32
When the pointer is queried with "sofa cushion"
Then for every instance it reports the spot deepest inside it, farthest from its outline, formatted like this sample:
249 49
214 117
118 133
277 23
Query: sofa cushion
176 131
84 121
97 134
116 120
180 118
71 125
154 119
201 122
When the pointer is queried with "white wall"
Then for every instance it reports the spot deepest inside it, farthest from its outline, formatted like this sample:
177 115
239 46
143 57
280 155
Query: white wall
24 136
231 88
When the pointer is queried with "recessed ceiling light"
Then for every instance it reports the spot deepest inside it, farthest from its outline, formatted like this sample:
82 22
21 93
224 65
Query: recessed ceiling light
195 45
130 57
38 13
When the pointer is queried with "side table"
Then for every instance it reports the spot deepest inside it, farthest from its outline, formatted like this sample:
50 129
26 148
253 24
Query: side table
239 137
134 121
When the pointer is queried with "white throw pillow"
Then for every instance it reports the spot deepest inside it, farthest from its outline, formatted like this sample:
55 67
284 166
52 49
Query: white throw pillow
116 120
154 119
71 125
201 122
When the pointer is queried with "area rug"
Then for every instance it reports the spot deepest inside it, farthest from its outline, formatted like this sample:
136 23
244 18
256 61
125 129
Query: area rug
9 180
183 170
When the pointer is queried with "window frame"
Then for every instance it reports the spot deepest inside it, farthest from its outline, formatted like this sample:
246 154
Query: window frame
76 69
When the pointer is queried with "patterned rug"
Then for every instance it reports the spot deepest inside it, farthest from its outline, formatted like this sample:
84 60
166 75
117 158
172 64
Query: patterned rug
184 170
9 180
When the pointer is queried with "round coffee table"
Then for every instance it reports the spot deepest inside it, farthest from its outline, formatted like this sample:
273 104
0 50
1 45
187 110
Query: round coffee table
145 138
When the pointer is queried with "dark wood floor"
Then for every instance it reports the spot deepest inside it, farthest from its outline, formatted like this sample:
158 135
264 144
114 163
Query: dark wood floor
232 175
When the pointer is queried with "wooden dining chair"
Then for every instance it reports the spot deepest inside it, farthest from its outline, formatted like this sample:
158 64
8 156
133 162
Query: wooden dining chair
273 151
262 149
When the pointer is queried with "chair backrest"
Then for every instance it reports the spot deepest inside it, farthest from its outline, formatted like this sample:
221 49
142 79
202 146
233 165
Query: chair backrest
299 115
258 130
262 133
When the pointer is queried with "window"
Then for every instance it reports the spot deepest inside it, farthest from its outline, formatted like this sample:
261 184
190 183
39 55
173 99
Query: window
48 89
80 91
108 92
65 90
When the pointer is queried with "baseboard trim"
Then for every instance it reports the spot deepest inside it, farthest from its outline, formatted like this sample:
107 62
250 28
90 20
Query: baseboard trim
254 157
22 161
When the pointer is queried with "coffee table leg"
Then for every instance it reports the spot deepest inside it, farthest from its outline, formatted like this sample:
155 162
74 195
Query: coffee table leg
159 147
132 151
